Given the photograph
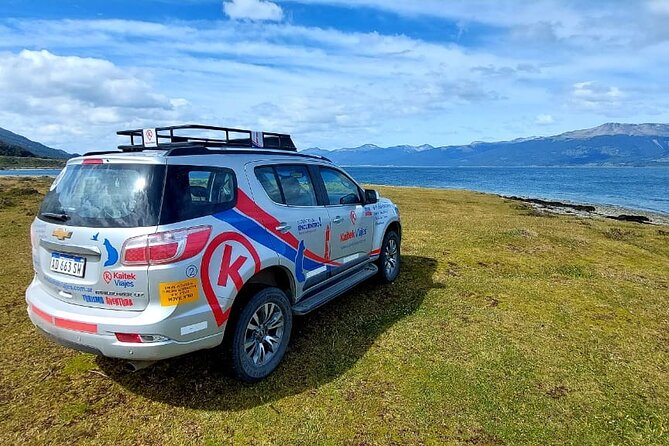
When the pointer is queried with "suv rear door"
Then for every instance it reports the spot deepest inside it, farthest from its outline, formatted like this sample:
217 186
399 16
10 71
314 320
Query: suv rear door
89 212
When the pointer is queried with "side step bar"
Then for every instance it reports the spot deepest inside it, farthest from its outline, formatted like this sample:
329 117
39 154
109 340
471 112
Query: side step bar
337 289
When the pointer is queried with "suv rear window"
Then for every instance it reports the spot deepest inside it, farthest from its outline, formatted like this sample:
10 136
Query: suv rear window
131 195
105 196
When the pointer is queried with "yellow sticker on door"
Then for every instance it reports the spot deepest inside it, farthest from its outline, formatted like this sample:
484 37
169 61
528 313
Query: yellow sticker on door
175 293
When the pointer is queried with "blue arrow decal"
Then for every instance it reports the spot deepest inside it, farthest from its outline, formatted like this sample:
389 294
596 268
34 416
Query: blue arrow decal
299 263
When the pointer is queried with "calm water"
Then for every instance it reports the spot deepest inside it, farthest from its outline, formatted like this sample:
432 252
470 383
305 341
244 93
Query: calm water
633 187
29 172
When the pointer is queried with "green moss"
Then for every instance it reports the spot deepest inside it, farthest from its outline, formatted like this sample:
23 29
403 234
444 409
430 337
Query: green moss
71 411
80 363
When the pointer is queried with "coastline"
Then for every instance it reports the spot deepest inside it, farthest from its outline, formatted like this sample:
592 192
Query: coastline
587 210
583 210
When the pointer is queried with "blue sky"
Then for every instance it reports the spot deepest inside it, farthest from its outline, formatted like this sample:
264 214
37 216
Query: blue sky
334 73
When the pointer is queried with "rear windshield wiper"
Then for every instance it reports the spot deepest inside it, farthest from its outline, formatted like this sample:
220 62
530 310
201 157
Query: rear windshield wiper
56 216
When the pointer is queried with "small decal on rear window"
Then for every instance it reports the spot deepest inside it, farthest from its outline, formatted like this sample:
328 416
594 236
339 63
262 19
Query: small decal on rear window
175 293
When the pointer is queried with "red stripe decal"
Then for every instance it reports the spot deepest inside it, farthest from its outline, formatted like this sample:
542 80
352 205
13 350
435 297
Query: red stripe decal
75 326
42 314
248 207
252 210
327 242
226 270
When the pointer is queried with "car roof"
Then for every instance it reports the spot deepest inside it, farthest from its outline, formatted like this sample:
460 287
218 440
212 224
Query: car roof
176 151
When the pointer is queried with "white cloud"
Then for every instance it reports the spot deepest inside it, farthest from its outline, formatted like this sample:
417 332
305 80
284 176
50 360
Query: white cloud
41 74
593 23
593 95
53 96
253 10
310 81
658 6
544 119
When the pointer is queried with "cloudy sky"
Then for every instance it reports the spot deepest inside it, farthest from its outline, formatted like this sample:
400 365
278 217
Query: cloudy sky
334 73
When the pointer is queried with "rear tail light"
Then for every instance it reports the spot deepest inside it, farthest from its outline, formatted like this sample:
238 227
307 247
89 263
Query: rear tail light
165 247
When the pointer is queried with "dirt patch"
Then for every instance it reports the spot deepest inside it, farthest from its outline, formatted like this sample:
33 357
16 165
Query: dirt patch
558 392
6 202
620 234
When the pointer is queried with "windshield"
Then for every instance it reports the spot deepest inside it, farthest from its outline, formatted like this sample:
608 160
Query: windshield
105 196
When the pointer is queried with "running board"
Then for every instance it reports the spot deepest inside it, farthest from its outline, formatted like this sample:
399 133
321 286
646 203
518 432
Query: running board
332 292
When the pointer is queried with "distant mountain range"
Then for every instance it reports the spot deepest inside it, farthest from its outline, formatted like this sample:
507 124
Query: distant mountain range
607 145
12 144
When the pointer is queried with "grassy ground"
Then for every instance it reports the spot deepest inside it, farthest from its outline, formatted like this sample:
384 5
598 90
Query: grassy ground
505 327
17 162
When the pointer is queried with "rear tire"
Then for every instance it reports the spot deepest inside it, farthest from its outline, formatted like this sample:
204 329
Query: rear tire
389 260
261 335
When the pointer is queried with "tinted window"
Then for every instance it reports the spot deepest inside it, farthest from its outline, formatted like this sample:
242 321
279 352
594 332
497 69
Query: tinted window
105 196
340 188
296 185
268 179
192 192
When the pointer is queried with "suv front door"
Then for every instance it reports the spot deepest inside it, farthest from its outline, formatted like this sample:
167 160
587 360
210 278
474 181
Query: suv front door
302 225
352 226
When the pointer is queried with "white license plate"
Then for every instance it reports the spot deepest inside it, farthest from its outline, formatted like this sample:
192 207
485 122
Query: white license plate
70 265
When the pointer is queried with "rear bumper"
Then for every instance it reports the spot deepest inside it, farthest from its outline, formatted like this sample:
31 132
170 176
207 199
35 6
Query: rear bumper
68 325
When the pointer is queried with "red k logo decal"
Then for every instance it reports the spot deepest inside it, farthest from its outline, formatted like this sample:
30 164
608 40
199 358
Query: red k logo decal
231 271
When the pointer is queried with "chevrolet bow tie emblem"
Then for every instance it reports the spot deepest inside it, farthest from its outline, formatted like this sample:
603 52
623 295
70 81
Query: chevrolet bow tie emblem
62 234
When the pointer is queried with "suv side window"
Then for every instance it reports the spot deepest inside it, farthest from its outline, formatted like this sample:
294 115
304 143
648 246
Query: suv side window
288 184
270 183
340 189
193 191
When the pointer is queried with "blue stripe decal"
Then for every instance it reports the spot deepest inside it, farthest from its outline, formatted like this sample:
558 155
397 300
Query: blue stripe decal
259 234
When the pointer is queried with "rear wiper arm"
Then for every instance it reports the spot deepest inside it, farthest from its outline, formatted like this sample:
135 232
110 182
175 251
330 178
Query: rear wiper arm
56 216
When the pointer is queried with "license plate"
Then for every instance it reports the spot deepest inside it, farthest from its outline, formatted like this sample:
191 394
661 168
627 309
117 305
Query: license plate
70 265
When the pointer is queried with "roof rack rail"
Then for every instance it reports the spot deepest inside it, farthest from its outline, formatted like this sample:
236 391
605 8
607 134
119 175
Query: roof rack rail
165 138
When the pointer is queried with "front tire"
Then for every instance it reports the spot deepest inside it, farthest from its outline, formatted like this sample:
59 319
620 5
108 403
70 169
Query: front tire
261 335
389 260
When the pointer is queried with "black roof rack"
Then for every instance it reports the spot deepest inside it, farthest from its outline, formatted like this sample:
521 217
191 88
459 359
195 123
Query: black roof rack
201 149
173 137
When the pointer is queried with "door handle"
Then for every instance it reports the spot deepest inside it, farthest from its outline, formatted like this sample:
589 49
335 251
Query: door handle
337 220
283 228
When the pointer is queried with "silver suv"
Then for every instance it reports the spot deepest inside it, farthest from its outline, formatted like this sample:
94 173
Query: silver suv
177 243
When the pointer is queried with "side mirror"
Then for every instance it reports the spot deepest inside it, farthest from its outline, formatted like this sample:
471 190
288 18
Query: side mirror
350 199
371 196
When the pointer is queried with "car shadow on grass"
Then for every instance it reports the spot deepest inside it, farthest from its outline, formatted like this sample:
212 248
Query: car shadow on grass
324 345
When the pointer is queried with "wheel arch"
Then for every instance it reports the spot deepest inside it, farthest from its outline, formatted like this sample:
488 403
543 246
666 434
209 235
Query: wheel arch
394 226
273 276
